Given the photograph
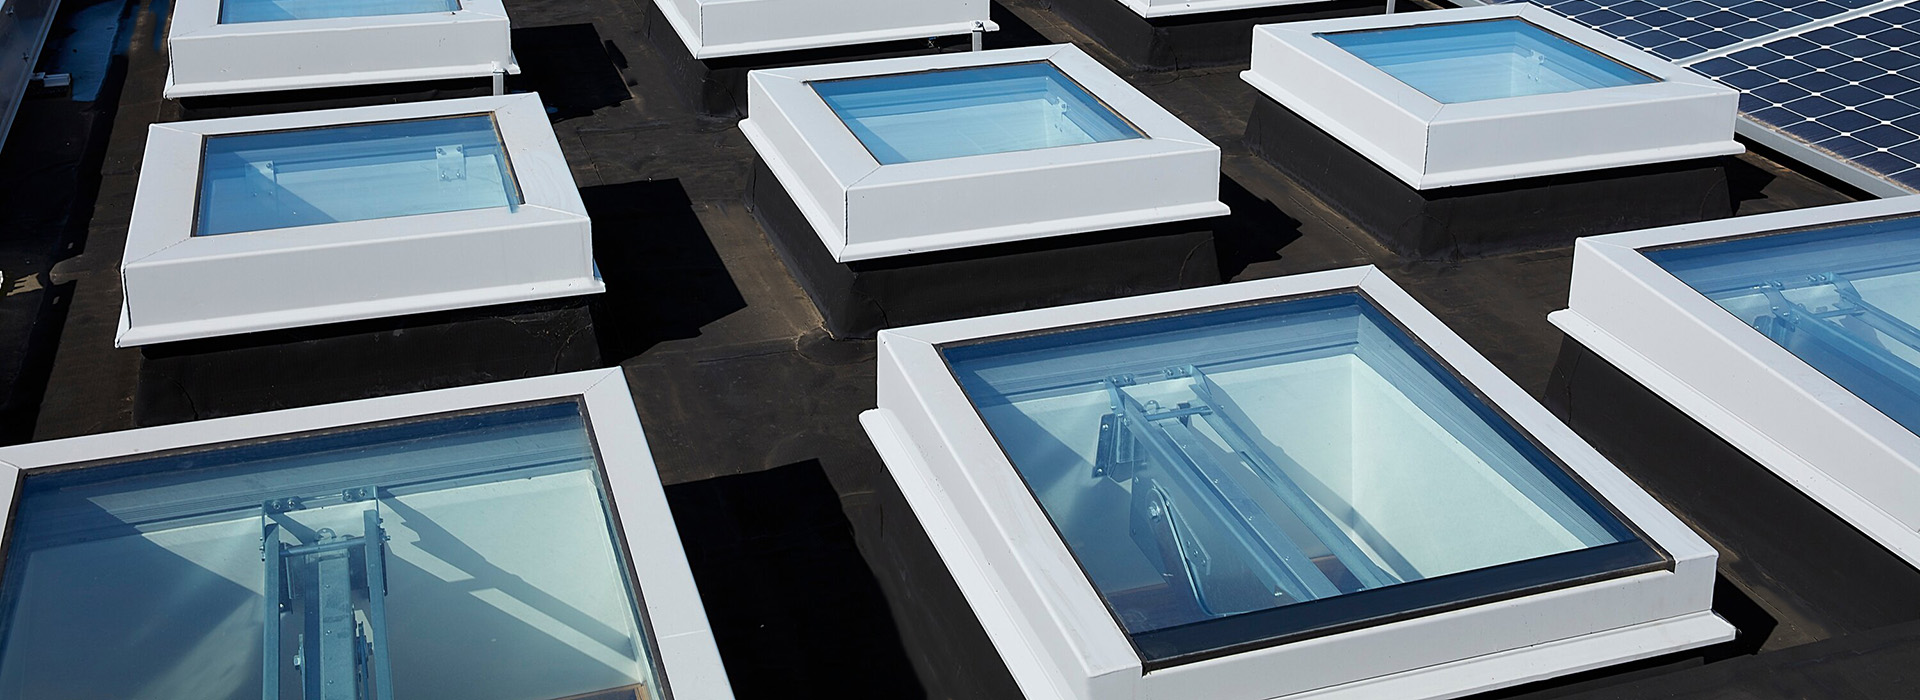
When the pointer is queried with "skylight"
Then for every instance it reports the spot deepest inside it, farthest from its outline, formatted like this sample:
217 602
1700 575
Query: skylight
1790 335
900 156
244 224
1500 93
367 562
1281 488
282 179
1485 60
1300 464
971 111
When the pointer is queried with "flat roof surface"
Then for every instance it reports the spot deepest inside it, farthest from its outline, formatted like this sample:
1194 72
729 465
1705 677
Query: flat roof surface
751 409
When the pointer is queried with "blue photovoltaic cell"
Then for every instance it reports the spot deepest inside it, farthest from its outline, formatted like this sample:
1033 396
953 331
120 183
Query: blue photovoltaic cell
1851 89
1677 29
1846 85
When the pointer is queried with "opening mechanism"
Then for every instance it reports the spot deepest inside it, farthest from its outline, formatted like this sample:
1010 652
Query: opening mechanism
326 590
1847 325
1188 465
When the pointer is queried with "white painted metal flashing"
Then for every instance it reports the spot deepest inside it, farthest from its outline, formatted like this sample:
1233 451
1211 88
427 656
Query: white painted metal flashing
178 286
862 209
681 634
1747 389
1430 145
206 57
1059 640
721 28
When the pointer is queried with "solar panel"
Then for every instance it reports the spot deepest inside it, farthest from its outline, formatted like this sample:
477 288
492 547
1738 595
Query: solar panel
1841 77
1677 30
1851 89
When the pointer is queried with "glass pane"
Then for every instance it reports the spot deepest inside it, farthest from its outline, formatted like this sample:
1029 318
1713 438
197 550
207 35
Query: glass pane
242 11
1471 61
380 552
1213 465
281 179
970 112
1845 299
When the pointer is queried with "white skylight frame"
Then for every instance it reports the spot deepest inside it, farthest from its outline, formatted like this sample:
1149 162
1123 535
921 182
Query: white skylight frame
863 210
178 286
1059 640
1430 145
1753 393
722 28
206 57
682 638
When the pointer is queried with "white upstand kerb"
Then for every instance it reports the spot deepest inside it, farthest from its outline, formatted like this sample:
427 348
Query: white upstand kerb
862 209
180 286
1429 144
1059 640
1755 394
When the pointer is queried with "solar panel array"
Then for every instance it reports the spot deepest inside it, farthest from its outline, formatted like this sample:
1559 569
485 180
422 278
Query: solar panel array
1843 76
1677 30
1851 89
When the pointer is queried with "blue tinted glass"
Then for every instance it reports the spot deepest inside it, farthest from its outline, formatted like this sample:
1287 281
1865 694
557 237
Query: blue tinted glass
1845 299
1486 60
971 111
375 559
1283 455
280 179
242 11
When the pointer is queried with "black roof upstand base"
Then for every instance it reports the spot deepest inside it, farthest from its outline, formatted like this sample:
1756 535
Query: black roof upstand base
284 101
1806 562
717 87
856 299
1497 217
197 379
1196 40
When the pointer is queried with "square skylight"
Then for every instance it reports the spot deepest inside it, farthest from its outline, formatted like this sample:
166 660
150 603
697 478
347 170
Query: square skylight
226 47
891 157
247 224
353 550
283 179
242 11
971 111
721 28
1790 335
1259 475
1488 94
1485 60
1300 461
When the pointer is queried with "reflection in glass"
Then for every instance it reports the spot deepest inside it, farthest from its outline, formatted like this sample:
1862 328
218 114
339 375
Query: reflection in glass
282 179
243 11
971 111
1216 464
1845 299
1485 60
377 562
